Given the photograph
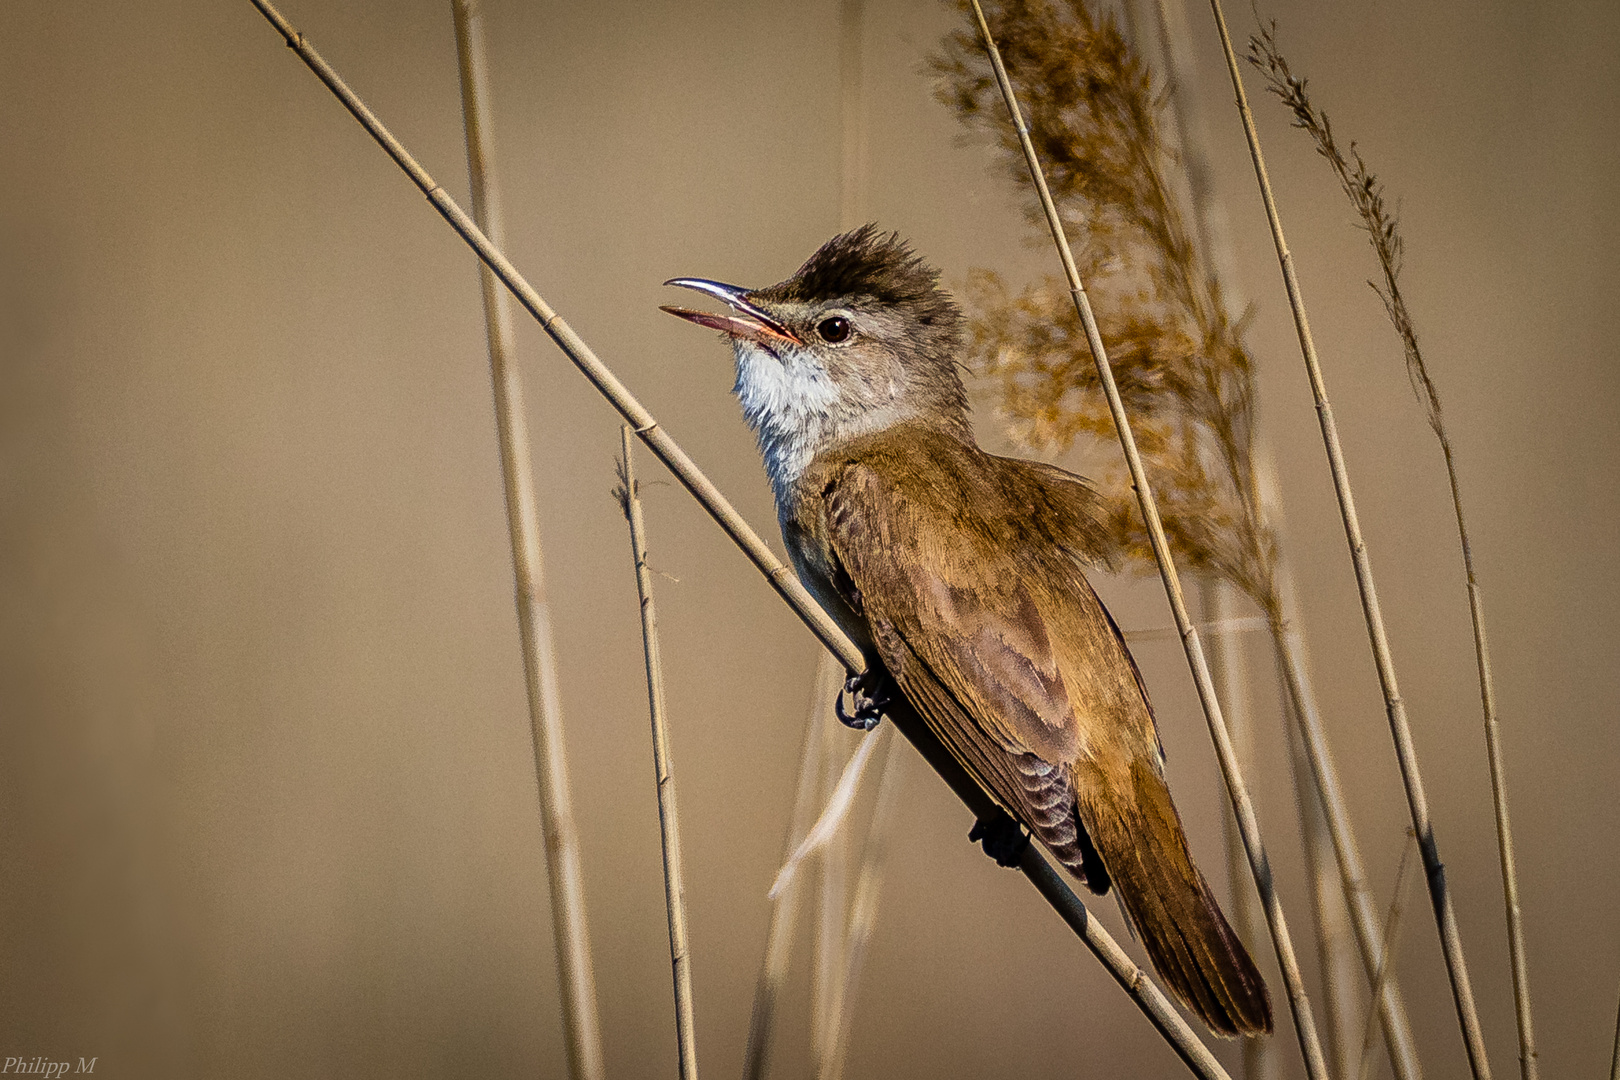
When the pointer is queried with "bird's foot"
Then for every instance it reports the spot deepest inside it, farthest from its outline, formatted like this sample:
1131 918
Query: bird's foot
1003 838
870 693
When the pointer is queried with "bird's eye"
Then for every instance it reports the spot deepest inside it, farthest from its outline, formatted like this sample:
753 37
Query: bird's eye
833 330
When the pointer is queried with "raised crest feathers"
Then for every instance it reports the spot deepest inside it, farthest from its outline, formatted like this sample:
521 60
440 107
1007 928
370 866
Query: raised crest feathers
868 263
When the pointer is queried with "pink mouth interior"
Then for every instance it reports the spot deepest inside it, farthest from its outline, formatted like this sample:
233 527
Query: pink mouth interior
735 325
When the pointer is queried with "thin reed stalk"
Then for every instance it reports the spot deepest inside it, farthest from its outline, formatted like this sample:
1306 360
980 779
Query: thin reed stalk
863 906
1366 194
1417 801
1397 904
832 909
1333 940
1333 822
1210 255
1147 996
1248 825
1336 961
1301 704
570 936
1180 359
773 968
669 831
1261 1060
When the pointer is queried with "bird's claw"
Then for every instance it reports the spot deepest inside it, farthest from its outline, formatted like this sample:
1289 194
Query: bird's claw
870 693
1003 839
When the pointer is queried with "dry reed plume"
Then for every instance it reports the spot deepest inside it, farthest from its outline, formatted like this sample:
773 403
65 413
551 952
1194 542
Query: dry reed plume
1237 790
1182 366
1462 990
1366 194
1183 371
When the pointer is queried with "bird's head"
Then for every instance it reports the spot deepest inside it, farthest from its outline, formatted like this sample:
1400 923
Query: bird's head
860 339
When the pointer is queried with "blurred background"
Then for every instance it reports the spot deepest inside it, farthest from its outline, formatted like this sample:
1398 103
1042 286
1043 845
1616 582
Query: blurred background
267 799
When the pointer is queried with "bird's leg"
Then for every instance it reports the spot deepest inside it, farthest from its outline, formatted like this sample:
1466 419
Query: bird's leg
870 693
1003 838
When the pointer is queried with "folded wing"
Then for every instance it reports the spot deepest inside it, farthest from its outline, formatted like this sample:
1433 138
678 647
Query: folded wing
993 634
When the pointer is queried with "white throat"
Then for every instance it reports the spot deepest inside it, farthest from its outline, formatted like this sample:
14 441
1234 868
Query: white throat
797 410
789 403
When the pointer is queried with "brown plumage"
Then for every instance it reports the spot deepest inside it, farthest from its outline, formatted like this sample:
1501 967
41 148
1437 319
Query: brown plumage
960 574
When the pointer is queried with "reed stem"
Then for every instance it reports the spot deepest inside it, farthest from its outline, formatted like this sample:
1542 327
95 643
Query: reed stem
1034 866
1227 662
1211 255
852 113
863 906
1213 243
1336 961
1397 904
600 376
1417 801
832 910
1301 704
774 965
680 956
1366 194
1248 825
570 936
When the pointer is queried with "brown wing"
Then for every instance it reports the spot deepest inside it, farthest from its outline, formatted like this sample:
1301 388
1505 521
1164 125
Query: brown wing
996 638
1068 507
957 618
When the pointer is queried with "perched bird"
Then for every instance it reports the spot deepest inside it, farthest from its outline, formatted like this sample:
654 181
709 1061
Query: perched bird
959 574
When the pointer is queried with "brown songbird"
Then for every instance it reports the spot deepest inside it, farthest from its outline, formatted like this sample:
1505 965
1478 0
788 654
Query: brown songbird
959 574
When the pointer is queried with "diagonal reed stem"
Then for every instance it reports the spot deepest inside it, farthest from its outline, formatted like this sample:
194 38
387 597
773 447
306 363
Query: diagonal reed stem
599 375
1248 825
1366 194
680 957
1300 703
1261 1060
1331 825
1392 927
773 967
1417 801
1337 966
863 906
832 906
1148 997
570 937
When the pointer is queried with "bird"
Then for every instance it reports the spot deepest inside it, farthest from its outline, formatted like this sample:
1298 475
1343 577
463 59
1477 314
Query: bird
961 576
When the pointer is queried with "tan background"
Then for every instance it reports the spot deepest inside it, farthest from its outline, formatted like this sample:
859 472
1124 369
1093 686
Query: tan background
266 798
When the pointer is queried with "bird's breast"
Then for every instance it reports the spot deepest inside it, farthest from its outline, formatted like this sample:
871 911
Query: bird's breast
804 533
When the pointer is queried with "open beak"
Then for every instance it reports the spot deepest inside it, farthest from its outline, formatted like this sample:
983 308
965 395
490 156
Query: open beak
750 322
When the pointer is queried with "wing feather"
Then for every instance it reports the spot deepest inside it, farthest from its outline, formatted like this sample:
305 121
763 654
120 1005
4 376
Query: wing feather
978 662
992 632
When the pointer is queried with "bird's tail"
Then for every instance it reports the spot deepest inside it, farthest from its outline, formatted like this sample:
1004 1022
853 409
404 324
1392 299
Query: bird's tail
1139 835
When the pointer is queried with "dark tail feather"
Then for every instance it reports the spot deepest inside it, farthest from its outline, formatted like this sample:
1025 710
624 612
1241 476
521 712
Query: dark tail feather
1193 948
